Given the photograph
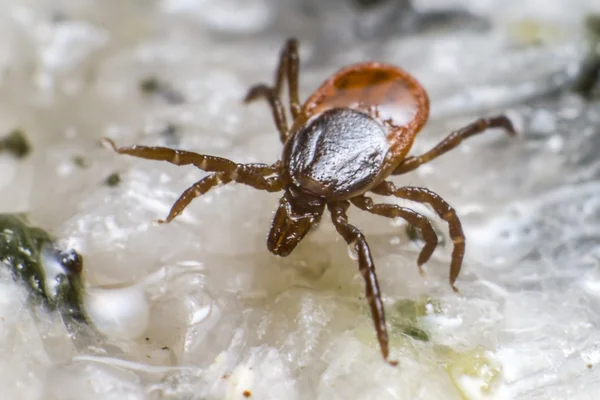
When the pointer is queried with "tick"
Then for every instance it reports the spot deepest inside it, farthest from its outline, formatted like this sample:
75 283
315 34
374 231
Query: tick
348 137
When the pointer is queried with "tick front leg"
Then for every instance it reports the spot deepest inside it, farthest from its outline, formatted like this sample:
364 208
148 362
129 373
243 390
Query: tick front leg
224 171
204 162
445 212
454 139
208 182
411 216
356 239
196 190
177 157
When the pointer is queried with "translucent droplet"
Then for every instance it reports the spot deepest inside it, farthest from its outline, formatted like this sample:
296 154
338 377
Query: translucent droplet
352 251
119 313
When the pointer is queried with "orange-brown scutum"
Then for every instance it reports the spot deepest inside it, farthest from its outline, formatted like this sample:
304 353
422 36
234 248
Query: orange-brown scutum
387 93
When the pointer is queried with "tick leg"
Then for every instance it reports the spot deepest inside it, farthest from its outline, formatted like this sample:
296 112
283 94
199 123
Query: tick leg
225 171
181 157
453 140
196 190
261 169
443 209
177 157
412 217
355 238
258 91
212 180
291 51
287 69
253 175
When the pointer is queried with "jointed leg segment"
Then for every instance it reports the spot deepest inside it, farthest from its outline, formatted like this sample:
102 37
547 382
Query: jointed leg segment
411 216
355 238
445 212
279 117
287 69
197 189
292 74
176 157
224 171
453 140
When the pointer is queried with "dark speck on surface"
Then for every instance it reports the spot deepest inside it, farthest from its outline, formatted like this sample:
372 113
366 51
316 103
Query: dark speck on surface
80 162
113 180
15 143
152 86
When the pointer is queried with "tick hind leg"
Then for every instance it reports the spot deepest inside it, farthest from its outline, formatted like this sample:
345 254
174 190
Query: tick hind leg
445 212
411 216
454 139
224 171
355 238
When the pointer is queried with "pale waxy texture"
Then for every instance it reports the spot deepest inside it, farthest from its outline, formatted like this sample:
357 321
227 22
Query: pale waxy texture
221 314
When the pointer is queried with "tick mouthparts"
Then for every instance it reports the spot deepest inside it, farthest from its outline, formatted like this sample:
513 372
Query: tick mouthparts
283 237
282 245
294 218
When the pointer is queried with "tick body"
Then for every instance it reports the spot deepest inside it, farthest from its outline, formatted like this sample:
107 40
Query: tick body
343 142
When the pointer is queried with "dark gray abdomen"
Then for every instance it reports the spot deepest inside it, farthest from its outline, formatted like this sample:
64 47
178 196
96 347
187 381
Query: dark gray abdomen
339 152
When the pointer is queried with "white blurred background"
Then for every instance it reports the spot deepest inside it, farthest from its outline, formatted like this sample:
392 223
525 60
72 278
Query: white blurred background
199 309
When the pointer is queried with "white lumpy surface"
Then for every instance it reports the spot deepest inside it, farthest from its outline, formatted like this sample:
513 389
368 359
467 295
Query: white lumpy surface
198 308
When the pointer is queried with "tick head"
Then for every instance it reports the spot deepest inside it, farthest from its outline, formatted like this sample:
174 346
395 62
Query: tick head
297 213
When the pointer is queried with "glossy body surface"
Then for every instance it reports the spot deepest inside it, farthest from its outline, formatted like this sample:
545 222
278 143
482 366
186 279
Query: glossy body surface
337 154
344 141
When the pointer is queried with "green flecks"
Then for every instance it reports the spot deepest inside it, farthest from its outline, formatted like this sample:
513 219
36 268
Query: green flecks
149 85
80 162
16 143
404 320
113 180
405 314
592 27
589 72
413 309
588 76
533 32
53 276
414 332
476 373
